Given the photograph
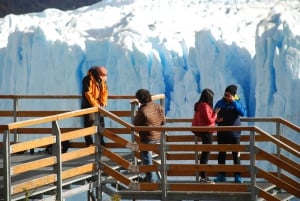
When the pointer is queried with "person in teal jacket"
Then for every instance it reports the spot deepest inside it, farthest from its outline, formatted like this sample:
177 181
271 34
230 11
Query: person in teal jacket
231 109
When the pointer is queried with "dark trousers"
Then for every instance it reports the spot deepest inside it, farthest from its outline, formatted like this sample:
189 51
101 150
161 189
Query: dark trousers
89 120
228 138
206 139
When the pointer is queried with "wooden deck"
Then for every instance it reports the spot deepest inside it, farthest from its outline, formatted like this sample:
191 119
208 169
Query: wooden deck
96 170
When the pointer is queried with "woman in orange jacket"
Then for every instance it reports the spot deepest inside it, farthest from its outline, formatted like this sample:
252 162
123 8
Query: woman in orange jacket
94 94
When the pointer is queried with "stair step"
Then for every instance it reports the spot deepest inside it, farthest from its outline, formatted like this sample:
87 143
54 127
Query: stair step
284 196
265 186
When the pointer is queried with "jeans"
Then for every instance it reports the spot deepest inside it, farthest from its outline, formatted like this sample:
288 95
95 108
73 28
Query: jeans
147 160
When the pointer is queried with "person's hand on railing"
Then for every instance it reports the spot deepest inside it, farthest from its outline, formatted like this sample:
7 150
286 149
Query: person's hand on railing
134 101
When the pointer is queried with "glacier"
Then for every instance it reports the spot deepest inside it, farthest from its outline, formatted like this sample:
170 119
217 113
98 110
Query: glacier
173 47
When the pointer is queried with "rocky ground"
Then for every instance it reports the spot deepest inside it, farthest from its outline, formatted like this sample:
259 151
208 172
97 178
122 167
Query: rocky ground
25 6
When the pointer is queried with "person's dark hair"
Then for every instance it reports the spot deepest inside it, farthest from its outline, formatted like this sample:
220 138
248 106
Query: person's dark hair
143 95
207 96
94 72
232 89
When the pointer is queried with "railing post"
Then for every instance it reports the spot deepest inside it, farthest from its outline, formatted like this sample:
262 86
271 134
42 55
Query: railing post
278 134
98 154
197 158
6 166
58 166
163 166
16 136
252 165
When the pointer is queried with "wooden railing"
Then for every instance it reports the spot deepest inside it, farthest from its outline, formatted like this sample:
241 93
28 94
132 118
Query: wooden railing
176 161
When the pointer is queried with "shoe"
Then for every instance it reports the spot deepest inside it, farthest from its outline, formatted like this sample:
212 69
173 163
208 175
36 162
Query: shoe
220 178
207 181
238 179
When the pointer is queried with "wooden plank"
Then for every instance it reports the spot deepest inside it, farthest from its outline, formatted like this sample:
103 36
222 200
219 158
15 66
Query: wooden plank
77 154
207 147
115 138
41 113
289 143
225 187
191 138
149 147
41 130
286 178
115 174
145 186
207 168
87 168
266 195
78 133
148 168
279 162
33 184
119 130
33 165
48 119
6 113
120 113
116 158
295 190
277 142
22 146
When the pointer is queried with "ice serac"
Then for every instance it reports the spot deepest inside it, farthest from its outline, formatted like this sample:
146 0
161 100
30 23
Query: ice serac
277 66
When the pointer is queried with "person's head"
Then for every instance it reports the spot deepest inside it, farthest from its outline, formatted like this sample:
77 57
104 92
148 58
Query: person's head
230 92
143 96
99 72
207 96
102 72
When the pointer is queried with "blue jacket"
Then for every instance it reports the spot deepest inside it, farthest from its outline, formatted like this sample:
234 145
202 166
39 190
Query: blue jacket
231 113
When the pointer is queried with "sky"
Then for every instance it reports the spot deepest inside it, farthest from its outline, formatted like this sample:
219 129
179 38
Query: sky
173 47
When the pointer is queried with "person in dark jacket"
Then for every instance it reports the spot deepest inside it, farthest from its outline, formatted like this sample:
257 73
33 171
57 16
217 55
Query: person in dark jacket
148 114
231 109
94 94
204 115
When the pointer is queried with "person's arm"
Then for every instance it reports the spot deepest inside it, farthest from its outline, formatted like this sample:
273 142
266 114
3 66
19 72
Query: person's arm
87 87
139 118
240 108
104 94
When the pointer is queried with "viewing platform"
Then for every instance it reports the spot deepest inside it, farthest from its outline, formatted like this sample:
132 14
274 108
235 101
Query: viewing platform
269 158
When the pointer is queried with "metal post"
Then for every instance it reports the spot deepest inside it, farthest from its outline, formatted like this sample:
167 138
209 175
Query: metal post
252 165
98 145
163 166
6 166
57 152
278 134
134 159
16 136
197 158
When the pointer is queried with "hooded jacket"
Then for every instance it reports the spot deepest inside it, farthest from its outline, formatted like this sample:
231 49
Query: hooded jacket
94 90
231 113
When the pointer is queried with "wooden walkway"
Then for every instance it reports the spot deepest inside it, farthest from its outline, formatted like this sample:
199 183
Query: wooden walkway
96 170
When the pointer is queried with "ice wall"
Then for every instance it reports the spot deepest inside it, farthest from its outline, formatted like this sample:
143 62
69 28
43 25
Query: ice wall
153 46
